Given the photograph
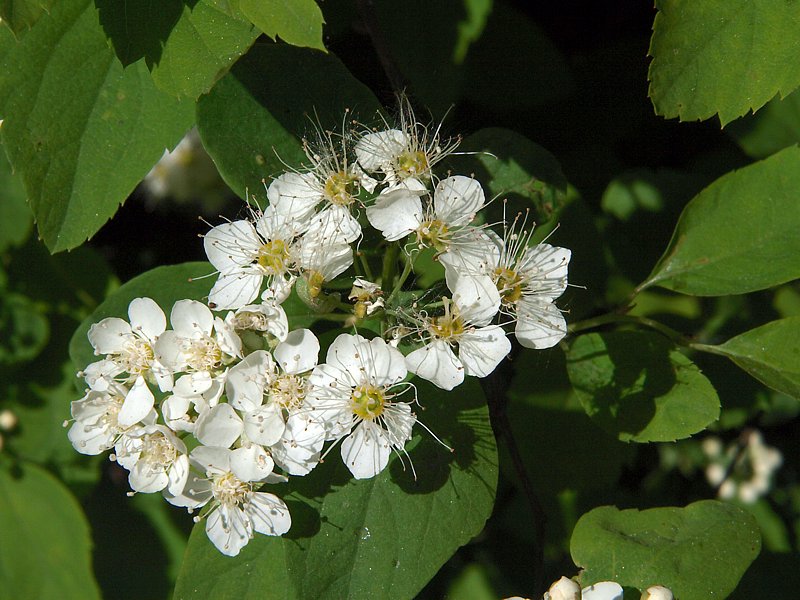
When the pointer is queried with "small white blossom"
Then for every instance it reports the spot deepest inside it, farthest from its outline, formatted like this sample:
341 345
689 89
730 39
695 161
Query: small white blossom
238 510
657 592
354 394
155 457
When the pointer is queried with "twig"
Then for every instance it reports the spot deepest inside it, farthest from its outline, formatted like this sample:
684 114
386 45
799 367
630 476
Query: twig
367 10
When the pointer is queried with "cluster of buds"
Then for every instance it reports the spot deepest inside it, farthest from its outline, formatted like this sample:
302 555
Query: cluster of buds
245 401
567 589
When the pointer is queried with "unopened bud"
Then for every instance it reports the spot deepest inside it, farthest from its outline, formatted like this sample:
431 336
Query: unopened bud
603 590
563 589
8 420
657 592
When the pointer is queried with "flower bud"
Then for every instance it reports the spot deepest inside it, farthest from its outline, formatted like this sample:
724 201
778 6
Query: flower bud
563 589
657 592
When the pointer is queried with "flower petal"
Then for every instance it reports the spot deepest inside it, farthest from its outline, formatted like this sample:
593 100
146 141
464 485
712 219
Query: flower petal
147 317
109 335
482 350
540 323
294 194
477 298
264 425
457 199
299 352
234 290
138 403
228 529
545 269
396 214
251 463
366 450
231 246
437 363
191 319
268 513
246 382
375 150
387 365
219 426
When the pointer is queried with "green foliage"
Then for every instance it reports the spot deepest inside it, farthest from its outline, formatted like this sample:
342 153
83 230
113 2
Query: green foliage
722 58
699 552
772 128
770 353
383 537
15 216
43 530
739 234
252 119
23 330
21 15
80 159
638 386
297 22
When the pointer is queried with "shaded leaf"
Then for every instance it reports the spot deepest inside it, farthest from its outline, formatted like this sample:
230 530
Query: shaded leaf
21 15
186 45
699 552
15 216
297 22
772 128
379 538
770 353
639 387
81 130
722 58
739 234
45 549
23 329
252 120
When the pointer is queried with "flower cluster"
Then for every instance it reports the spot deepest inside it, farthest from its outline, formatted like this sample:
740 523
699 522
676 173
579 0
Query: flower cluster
231 399
567 589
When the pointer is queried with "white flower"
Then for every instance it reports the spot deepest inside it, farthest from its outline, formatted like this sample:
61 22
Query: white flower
406 153
181 409
563 589
367 297
354 394
745 472
529 279
245 254
237 509
102 417
156 459
463 326
128 347
603 590
456 200
267 317
199 344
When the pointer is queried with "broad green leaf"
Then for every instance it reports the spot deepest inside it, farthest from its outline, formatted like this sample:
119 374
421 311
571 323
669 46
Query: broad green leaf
81 130
739 234
45 549
165 285
772 128
187 46
699 552
722 58
472 584
471 26
639 387
770 353
15 216
376 538
253 119
21 15
297 22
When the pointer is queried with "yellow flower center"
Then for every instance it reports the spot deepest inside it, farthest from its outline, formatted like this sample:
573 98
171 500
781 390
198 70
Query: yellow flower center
273 256
202 354
434 233
157 450
367 401
136 356
509 284
412 163
341 188
314 280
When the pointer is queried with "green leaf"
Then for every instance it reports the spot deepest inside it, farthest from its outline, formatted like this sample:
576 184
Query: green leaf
165 285
45 549
80 129
773 128
639 387
699 552
296 22
15 216
722 58
187 46
739 234
23 329
252 120
770 353
376 538
21 15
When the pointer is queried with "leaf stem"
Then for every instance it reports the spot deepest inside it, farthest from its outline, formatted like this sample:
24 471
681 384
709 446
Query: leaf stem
607 319
409 266
389 265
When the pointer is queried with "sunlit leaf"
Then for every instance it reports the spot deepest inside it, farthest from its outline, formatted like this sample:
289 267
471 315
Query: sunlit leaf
379 538
722 58
297 22
81 130
45 549
770 353
638 386
699 552
739 234
253 119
